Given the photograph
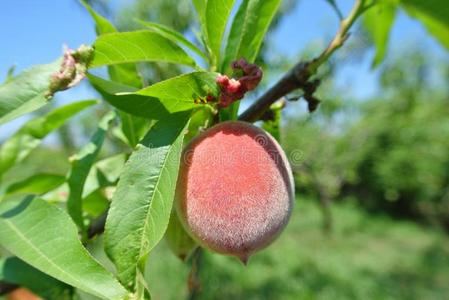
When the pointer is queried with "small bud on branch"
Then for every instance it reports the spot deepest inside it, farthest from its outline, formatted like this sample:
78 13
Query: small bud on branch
232 89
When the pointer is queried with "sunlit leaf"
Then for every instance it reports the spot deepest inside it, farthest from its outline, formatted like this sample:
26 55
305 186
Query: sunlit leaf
142 106
378 21
217 14
173 35
248 29
137 46
180 93
200 7
131 126
141 206
45 237
25 92
434 14
102 25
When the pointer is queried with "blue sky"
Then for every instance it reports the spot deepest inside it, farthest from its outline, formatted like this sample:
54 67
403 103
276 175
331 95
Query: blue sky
34 31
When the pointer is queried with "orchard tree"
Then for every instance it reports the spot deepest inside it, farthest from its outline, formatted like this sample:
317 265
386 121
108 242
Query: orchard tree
234 192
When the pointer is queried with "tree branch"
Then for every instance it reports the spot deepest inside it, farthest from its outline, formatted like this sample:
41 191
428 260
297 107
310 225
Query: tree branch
300 74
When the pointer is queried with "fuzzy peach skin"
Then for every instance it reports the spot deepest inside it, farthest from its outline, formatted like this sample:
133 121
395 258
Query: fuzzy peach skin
235 189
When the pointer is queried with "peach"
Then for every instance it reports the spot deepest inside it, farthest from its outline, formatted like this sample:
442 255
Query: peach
235 189
22 294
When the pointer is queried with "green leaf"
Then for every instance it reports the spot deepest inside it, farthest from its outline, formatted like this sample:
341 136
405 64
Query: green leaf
173 35
178 239
16 271
146 107
200 7
17 147
133 128
217 14
26 92
102 25
124 73
378 21
38 184
180 93
81 165
141 206
10 74
248 30
95 204
136 46
104 173
434 14
45 237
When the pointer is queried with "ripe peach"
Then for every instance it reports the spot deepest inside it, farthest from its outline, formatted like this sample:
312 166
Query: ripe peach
235 189
22 294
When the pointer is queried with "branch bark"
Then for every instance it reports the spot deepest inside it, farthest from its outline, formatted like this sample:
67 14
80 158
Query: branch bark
298 77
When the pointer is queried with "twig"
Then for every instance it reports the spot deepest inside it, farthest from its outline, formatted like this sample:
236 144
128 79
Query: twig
299 75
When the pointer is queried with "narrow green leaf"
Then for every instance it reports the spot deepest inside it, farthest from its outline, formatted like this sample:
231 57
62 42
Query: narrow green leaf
173 35
136 46
102 179
235 36
81 164
146 107
433 14
38 184
378 21
104 173
180 93
10 74
124 73
217 14
248 30
26 92
45 237
133 127
102 25
16 271
141 206
17 147
178 239
200 7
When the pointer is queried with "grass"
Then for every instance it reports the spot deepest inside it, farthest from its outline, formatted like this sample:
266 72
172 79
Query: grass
365 257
